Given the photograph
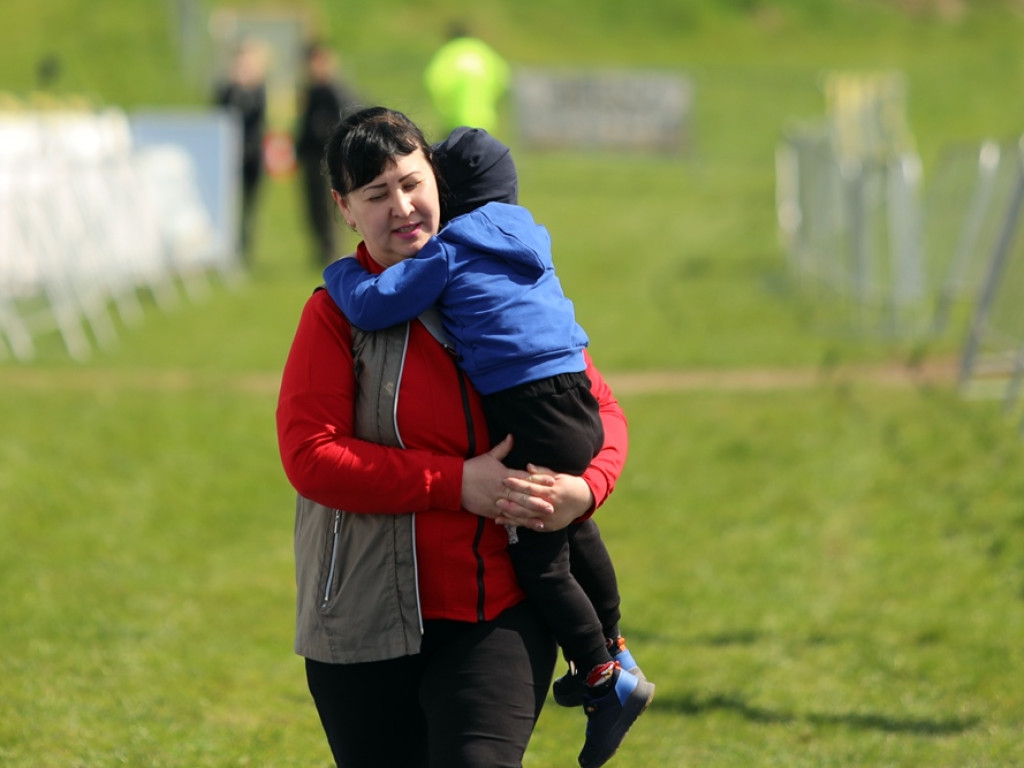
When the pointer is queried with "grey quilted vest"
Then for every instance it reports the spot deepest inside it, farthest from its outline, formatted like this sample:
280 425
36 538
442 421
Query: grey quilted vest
356 574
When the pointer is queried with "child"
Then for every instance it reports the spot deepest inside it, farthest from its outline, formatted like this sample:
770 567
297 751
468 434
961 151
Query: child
490 273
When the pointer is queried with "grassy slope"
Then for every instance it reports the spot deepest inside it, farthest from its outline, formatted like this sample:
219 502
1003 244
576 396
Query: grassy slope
822 577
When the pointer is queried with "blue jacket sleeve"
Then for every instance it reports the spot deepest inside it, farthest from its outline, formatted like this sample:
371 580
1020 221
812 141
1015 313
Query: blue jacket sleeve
401 292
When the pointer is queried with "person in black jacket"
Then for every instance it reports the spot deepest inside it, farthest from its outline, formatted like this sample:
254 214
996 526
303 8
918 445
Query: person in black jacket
244 92
324 100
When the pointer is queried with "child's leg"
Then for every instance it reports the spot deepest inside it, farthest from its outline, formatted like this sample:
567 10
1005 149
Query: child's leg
592 567
541 562
613 698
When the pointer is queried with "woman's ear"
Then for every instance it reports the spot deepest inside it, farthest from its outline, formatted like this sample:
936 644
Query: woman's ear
342 204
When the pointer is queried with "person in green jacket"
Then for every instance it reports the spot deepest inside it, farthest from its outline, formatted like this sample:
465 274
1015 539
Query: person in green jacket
466 79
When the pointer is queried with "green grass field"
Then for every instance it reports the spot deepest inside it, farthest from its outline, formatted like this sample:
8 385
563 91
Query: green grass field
814 575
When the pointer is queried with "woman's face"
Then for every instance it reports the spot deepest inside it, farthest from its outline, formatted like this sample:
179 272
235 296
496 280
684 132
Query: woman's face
397 212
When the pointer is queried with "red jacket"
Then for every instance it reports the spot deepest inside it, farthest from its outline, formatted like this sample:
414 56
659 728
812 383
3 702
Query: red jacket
463 566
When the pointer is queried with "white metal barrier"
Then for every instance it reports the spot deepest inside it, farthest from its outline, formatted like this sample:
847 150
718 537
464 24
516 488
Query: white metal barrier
88 221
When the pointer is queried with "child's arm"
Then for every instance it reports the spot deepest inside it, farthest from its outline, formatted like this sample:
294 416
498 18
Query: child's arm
401 292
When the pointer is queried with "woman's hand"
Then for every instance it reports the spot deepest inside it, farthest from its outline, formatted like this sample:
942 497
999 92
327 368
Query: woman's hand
568 495
483 484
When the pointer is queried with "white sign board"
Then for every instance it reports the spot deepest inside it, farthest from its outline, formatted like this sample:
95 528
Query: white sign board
625 109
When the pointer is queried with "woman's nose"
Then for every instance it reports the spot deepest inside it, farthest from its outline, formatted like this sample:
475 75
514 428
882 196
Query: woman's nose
403 204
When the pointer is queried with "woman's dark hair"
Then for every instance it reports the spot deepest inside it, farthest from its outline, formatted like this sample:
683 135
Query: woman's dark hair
365 143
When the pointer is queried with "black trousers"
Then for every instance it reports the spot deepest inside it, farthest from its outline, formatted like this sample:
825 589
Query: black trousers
554 585
252 178
568 575
319 208
592 567
555 422
469 699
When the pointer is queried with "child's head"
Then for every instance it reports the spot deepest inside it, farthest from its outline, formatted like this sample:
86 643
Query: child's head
475 168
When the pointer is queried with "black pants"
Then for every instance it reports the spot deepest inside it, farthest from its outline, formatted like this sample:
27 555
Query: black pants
469 699
555 422
252 177
568 575
320 216
592 567
553 572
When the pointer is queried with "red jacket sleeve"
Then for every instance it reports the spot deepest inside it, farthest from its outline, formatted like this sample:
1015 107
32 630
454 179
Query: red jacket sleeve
315 418
606 467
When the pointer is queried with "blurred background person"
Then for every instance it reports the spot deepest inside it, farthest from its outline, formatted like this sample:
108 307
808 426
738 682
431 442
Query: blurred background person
466 79
48 70
323 101
244 92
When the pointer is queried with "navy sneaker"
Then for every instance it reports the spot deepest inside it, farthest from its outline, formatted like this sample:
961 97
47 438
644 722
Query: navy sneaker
610 716
568 689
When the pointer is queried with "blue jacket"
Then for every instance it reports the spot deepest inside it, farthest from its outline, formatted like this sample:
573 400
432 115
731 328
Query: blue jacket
491 276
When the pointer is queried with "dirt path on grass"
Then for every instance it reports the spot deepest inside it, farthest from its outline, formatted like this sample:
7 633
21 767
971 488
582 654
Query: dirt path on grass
935 373
938 373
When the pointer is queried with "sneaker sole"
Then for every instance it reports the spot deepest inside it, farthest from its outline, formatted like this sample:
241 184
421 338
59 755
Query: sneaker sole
634 707
573 700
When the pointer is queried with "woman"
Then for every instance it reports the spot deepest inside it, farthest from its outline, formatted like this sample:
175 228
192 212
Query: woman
420 649
245 92
324 98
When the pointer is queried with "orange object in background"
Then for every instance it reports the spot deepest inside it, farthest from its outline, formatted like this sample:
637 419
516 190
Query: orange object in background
278 154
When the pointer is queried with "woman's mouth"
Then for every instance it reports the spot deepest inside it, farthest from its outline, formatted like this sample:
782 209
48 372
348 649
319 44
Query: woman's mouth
409 231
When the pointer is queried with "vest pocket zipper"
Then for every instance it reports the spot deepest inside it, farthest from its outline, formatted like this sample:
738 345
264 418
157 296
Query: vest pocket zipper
334 559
